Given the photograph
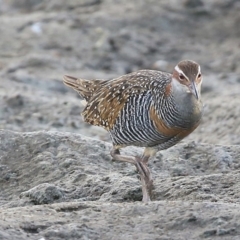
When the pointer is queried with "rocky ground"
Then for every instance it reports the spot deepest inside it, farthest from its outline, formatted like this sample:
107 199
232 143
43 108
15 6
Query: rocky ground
57 184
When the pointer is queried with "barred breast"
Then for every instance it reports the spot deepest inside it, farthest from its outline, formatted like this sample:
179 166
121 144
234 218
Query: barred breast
157 117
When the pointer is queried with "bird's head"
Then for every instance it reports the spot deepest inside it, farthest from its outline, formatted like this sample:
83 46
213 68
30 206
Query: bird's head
187 77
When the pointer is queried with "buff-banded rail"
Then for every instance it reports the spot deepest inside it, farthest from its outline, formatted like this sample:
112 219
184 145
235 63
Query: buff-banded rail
146 108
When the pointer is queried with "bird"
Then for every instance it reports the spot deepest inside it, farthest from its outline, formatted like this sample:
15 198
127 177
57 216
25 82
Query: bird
146 108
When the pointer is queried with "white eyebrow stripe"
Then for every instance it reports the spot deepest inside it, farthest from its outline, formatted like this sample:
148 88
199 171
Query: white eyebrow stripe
199 69
180 71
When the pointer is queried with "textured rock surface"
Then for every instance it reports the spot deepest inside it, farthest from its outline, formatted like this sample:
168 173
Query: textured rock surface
90 196
59 185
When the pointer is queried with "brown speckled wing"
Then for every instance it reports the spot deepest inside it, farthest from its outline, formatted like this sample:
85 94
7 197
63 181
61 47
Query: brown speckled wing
106 104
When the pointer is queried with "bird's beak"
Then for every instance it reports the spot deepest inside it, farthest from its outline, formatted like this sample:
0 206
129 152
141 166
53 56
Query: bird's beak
193 89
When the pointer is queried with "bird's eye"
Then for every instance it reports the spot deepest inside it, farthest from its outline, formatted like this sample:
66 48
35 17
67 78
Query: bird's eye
199 75
181 77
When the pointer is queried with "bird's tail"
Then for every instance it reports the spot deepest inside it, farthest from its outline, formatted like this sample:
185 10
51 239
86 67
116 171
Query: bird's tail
84 87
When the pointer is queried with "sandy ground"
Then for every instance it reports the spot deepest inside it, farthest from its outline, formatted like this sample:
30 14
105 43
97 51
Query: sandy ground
58 184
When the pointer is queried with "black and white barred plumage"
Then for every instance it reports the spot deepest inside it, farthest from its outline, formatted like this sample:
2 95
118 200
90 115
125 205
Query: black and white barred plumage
147 108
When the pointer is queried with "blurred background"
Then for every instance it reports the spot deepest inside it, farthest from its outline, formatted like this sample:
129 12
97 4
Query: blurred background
41 40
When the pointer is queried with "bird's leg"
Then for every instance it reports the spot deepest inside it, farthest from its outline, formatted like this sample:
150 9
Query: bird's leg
145 174
115 153
141 165
146 179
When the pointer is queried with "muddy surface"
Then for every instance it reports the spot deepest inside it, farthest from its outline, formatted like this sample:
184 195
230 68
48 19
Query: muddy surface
56 183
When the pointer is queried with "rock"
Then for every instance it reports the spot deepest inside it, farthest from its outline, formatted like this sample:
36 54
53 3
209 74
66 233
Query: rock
79 189
43 194
162 65
193 4
15 101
